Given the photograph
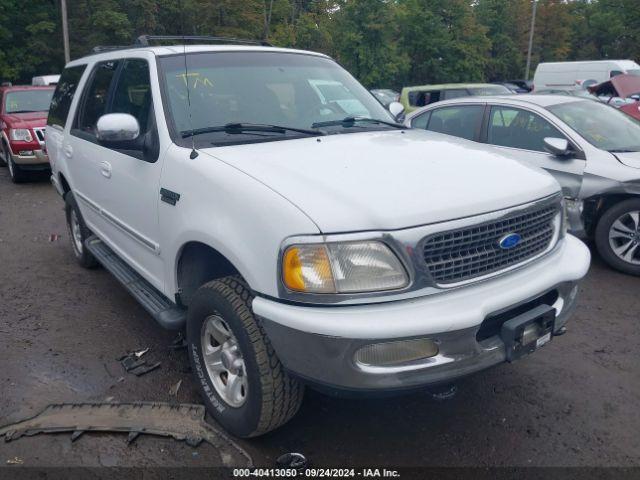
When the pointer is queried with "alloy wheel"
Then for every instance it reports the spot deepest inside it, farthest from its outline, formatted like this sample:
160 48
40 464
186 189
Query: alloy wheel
224 362
624 237
76 233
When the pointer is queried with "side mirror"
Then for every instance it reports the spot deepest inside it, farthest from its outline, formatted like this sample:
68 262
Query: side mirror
557 146
396 109
118 130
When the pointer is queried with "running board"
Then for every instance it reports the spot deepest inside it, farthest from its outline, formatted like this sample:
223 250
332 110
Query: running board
163 310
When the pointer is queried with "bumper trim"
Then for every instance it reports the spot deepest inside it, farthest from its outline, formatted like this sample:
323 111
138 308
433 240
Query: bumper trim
329 361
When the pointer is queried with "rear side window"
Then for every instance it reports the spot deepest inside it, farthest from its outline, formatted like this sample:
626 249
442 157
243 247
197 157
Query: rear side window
96 94
463 121
63 96
455 93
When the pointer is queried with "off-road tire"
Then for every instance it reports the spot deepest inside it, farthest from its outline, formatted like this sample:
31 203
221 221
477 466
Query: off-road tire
273 395
602 236
83 256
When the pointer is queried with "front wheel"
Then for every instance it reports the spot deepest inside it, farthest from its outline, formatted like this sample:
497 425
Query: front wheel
242 381
15 172
618 236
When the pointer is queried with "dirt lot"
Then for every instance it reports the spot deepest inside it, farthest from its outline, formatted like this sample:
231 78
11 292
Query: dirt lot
62 328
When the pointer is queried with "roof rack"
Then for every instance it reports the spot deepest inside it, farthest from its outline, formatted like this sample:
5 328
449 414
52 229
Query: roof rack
111 48
144 40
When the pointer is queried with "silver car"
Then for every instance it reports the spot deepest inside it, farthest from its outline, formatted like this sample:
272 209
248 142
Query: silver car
593 151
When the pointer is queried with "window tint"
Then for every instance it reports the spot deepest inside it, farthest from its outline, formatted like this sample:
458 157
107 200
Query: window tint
421 121
96 96
462 121
133 92
420 99
455 93
512 127
62 97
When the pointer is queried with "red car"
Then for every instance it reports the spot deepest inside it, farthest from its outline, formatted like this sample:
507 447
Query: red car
23 116
622 91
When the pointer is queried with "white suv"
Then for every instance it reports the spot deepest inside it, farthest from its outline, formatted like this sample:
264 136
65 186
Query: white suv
297 243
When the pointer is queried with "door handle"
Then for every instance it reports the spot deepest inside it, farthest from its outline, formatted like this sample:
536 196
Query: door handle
105 169
68 151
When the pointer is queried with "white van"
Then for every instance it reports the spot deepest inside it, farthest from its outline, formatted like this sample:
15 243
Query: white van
568 75
45 80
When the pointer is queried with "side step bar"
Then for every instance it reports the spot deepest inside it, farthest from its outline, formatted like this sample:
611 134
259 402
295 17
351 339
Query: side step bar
163 310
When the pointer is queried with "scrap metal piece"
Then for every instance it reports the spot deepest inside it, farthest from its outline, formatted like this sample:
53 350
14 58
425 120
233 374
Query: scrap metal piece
145 368
184 422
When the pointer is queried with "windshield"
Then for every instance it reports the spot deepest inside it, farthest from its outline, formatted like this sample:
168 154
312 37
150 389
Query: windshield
635 72
23 101
601 125
283 89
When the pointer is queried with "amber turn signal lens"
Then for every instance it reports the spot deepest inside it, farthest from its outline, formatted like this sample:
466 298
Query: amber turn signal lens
306 268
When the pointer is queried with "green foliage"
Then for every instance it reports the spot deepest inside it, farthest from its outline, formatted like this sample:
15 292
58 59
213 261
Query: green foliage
385 43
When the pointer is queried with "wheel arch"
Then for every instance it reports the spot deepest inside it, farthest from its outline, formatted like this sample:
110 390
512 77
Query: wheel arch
198 263
597 205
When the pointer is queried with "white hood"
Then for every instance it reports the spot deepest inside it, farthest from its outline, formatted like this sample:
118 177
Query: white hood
388 180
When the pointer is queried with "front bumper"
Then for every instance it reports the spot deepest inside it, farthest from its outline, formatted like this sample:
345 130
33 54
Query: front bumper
37 160
319 343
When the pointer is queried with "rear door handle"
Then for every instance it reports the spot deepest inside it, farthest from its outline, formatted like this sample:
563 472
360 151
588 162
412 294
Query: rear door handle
68 151
105 169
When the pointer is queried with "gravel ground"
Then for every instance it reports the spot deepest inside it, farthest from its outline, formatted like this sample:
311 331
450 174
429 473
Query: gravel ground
575 403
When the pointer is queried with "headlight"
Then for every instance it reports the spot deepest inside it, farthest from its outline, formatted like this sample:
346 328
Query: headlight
348 267
20 134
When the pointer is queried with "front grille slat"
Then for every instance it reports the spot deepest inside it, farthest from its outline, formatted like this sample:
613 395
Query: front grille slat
467 253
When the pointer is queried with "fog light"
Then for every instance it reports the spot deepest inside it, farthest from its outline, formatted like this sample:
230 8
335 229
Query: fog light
394 353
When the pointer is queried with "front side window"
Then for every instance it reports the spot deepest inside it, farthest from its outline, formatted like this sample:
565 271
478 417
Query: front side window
94 103
463 121
421 121
283 89
132 94
63 95
516 128
600 125
26 101
422 98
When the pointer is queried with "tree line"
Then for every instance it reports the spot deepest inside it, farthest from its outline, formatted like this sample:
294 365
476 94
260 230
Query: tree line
384 43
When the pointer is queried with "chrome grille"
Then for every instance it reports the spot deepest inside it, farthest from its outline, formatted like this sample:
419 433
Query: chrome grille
39 134
471 252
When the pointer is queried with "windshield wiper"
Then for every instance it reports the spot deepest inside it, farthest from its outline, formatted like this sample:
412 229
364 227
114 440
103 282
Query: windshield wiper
622 150
352 120
249 128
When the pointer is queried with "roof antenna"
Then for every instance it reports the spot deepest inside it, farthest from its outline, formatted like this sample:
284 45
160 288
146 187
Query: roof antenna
194 154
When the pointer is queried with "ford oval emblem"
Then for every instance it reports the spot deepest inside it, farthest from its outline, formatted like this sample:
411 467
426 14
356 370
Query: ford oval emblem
510 240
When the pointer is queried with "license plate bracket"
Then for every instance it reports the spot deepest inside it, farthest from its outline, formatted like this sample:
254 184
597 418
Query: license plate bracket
529 331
